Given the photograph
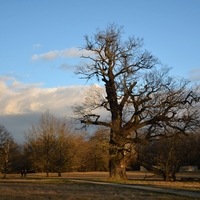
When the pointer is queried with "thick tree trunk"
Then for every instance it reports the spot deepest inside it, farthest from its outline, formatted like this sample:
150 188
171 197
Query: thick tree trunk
118 161
117 172
117 166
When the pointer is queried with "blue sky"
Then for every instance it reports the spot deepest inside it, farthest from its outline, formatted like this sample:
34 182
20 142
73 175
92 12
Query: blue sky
40 38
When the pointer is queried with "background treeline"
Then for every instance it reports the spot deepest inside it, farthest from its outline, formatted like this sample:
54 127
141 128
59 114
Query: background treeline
54 145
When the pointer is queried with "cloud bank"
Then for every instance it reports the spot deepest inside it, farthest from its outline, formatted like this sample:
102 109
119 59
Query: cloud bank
22 104
65 53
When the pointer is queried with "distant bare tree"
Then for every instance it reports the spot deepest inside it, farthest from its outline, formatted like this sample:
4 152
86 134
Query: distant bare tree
143 103
65 148
166 156
51 144
7 146
41 139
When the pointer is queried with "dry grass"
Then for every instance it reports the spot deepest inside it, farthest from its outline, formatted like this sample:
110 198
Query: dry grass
137 178
37 186
190 186
59 190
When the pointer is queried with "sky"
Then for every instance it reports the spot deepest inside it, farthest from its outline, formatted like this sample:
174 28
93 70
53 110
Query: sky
40 44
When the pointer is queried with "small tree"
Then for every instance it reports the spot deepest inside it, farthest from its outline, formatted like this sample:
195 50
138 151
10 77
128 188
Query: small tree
188 149
138 98
165 157
7 147
42 141
51 145
65 148
160 157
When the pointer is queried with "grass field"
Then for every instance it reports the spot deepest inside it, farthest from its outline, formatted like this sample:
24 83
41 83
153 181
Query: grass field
37 186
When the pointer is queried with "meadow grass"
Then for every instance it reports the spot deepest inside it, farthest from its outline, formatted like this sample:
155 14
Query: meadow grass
70 190
39 187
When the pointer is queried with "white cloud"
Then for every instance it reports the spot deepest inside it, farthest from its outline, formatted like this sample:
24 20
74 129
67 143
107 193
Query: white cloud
65 53
21 105
25 103
18 98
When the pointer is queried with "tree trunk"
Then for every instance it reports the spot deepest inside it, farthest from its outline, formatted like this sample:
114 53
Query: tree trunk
167 174
59 174
117 167
166 177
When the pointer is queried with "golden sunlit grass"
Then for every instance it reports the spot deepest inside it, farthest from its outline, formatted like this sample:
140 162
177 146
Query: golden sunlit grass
102 176
70 190
190 186
37 186
193 185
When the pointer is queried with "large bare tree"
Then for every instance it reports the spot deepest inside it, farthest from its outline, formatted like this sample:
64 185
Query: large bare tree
143 102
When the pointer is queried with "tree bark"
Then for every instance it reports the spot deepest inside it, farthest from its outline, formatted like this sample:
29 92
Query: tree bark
117 172
117 165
